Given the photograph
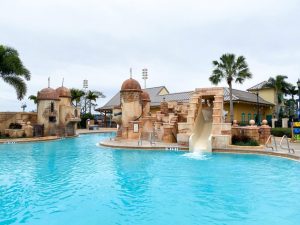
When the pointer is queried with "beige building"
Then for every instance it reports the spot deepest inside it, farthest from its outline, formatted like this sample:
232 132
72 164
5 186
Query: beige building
245 103
56 113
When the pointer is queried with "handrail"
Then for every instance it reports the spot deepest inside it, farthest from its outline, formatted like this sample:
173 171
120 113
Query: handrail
284 137
270 140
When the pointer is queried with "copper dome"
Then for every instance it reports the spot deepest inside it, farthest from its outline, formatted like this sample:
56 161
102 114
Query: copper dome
63 92
47 94
145 96
131 85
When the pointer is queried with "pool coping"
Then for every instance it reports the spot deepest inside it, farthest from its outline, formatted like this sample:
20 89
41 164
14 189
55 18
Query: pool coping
236 150
259 152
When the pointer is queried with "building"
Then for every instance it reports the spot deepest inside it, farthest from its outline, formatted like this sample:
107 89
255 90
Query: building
56 113
246 104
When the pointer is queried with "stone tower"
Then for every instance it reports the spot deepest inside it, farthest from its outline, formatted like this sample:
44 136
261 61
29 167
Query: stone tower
131 104
48 110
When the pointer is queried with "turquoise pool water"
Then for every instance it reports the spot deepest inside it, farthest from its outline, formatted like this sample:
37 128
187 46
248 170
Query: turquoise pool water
73 181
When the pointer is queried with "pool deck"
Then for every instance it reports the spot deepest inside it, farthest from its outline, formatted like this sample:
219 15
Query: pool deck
101 130
146 145
24 140
262 150
51 138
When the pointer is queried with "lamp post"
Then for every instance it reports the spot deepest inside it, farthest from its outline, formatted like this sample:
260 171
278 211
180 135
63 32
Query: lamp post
257 105
144 76
298 111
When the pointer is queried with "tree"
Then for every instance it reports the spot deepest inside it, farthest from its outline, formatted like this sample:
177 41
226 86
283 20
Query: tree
76 95
33 98
281 87
230 69
292 103
93 96
12 70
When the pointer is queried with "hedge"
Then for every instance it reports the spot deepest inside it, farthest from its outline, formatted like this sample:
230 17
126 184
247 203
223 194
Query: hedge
279 132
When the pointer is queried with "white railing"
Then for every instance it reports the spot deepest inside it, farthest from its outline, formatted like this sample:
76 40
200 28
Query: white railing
272 140
287 147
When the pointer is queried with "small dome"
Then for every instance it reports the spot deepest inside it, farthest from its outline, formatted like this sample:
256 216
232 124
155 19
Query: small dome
131 85
63 92
47 94
145 97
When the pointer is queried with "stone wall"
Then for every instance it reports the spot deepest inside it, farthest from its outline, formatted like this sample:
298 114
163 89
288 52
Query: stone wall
6 118
259 134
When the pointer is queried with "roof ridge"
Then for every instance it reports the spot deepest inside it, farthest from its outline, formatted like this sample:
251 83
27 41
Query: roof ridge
253 87
178 93
154 87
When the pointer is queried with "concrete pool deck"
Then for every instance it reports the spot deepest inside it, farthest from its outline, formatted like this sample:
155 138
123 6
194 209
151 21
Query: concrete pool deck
262 150
51 138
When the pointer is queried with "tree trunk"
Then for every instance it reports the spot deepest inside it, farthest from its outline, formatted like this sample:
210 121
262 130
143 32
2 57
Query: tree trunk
231 102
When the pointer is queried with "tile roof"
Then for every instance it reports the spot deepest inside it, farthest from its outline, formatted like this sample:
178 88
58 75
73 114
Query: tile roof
237 95
115 100
245 96
259 86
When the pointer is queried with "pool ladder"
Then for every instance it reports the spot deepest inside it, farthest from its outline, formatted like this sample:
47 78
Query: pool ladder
272 139
287 147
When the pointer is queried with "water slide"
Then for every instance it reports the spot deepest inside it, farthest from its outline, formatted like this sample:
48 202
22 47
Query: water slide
200 140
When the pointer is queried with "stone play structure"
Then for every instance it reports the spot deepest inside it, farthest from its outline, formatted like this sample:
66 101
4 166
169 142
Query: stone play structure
56 113
176 122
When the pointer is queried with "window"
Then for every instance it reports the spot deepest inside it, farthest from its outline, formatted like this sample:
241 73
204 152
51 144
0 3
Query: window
52 107
243 118
249 117
52 119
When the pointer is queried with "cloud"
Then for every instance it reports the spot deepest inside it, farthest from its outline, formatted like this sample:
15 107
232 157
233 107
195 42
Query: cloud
175 40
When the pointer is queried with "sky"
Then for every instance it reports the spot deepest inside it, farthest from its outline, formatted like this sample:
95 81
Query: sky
175 40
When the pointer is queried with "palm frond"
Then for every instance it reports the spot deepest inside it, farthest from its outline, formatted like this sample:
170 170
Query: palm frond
18 83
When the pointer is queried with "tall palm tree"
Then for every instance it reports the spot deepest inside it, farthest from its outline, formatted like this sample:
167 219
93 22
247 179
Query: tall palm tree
33 98
281 87
292 91
12 70
76 95
93 96
231 69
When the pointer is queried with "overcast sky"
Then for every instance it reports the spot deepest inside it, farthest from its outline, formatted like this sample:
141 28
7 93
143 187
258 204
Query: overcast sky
176 40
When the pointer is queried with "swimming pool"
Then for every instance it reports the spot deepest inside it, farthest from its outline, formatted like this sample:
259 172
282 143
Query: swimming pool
73 181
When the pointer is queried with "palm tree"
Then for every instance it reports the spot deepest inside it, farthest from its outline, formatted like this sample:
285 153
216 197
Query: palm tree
281 87
93 96
33 98
12 70
231 69
292 91
76 95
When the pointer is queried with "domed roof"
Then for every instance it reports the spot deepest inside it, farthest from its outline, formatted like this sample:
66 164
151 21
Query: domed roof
145 96
47 94
131 85
63 92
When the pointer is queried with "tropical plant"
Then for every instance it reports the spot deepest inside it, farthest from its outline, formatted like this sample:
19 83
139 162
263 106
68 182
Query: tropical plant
33 98
12 70
76 95
231 69
91 97
281 87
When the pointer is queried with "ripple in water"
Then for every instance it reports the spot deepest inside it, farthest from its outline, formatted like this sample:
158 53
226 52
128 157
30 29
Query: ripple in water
196 155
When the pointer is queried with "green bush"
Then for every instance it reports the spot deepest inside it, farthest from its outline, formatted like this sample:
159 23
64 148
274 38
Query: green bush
84 117
279 132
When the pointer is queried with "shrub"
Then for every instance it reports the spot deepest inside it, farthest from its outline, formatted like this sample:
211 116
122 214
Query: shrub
279 132
243 140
